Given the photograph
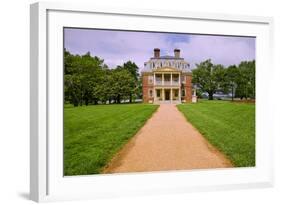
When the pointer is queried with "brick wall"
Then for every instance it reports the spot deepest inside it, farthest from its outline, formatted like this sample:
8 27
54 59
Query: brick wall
145 88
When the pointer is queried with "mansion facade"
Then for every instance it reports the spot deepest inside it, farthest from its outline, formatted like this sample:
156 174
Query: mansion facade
166 79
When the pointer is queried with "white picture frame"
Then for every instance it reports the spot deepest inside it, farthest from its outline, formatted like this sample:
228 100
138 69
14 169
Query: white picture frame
46 177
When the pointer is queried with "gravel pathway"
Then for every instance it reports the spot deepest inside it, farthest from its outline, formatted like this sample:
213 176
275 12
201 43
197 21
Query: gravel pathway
167 142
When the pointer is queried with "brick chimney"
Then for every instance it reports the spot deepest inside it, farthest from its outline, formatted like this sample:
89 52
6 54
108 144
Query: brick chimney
177 53
156 53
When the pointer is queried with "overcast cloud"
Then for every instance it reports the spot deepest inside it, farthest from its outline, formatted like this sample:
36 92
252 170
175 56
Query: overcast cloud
117 47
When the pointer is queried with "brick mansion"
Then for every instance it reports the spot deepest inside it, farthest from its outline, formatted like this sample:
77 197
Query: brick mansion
166 79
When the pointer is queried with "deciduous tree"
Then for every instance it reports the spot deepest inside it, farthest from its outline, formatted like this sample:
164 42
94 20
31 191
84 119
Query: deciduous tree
208 77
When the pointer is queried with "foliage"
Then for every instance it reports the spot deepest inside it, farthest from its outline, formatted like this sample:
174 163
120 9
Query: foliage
232 74
208 77
123 85
227 125
246 80
93 134
132 68
211 78
87 80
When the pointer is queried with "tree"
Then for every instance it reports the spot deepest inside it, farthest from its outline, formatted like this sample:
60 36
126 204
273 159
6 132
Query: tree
72 79
209 77
138 90
220 76
133 69
82 77
122 83
246 80
72 89
232 75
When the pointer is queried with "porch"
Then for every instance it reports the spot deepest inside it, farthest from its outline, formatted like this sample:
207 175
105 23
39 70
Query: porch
167 79
167 95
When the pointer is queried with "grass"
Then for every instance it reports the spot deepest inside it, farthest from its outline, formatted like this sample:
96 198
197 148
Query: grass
228 126
93 134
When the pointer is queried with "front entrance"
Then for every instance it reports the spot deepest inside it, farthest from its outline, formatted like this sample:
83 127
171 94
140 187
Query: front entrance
167 94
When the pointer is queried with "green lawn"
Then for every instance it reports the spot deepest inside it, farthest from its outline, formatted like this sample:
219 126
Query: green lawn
93 134
228 126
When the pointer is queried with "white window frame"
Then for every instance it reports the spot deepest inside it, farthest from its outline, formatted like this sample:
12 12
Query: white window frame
150 79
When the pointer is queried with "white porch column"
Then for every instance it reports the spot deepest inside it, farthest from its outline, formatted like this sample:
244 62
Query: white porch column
179 94
162 78
154 80
171 79
163 97
179 79
179 87
171 95
154 91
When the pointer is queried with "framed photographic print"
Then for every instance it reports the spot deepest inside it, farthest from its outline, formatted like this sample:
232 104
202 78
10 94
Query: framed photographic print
127 102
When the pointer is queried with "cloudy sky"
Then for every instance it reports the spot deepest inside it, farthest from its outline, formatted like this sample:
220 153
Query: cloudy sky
117 47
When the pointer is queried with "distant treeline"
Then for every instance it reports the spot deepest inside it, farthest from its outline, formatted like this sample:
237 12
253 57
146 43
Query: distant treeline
238 80
87 80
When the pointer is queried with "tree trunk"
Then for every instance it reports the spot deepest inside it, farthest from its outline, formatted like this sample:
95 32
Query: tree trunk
211 95
75 104
232 93
118 99
75 101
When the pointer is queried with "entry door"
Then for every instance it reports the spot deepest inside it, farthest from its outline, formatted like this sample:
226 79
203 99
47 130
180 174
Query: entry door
167 94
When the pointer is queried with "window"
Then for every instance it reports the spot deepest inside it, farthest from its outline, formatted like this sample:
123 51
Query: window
158 93
158 79
183 92
182 79
176 93
175 78
150 93
150 79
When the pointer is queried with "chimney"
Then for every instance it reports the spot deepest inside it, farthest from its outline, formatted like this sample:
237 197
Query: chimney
177 53
156 53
